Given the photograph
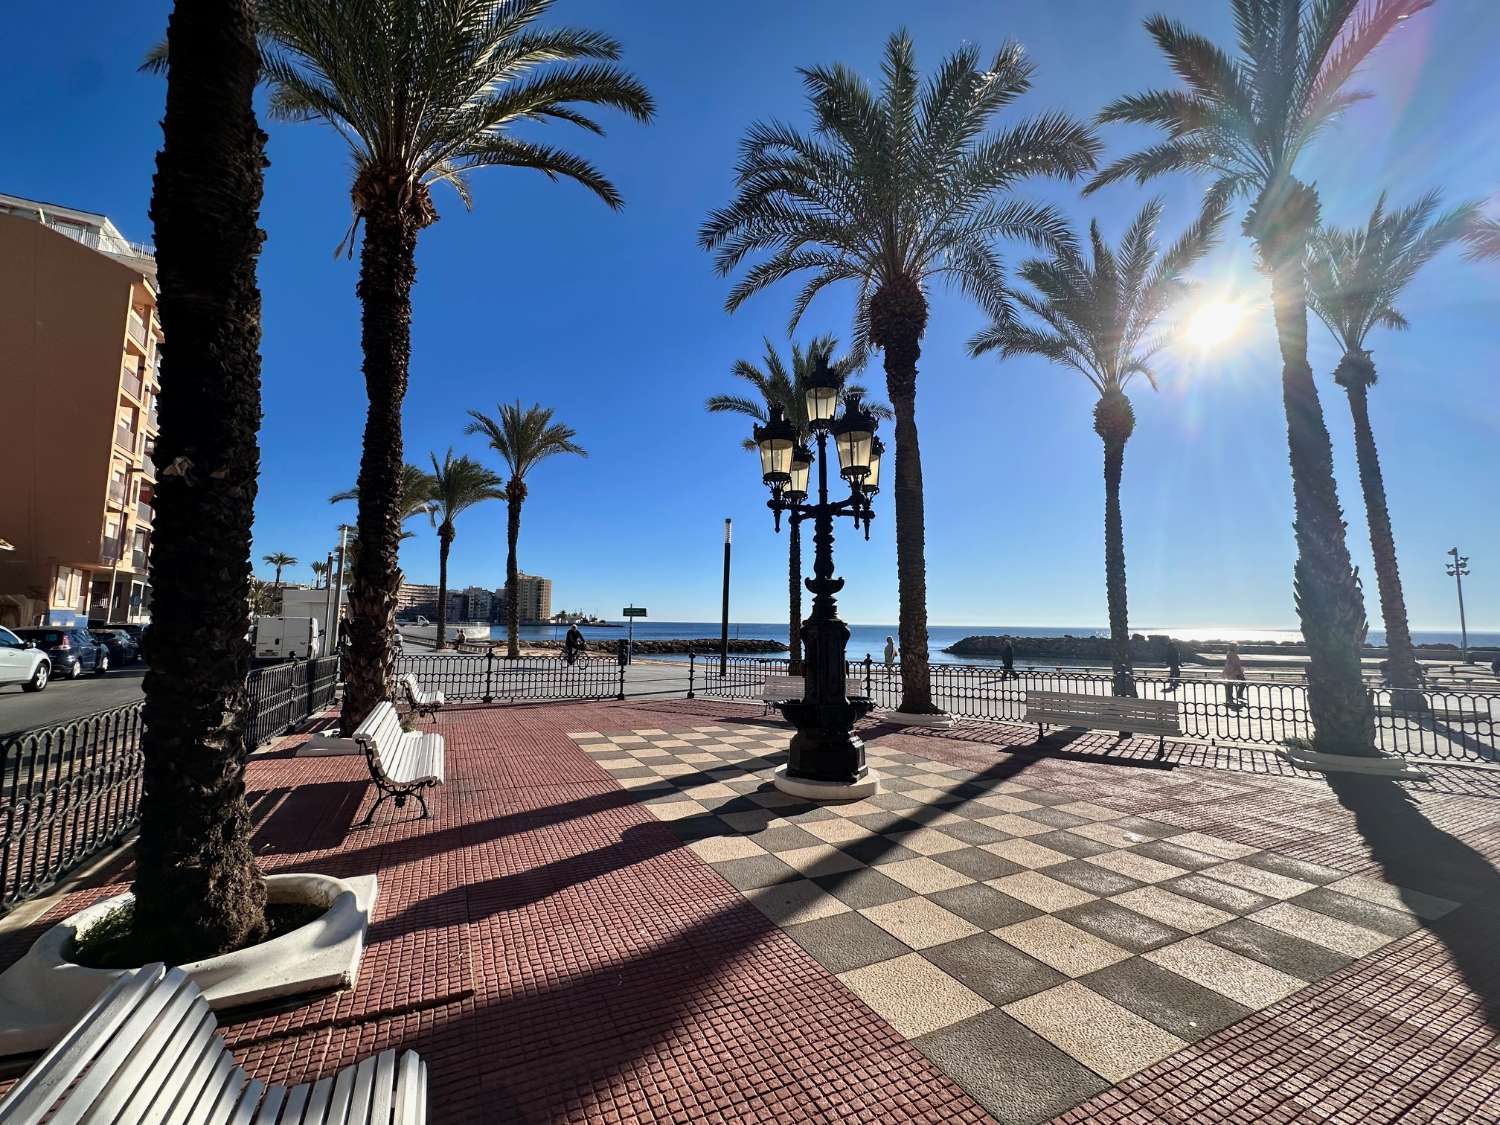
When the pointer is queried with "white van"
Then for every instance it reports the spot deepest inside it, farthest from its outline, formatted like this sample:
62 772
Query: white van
287 638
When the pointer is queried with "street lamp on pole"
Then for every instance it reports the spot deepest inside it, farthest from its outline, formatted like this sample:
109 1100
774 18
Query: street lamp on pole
1456 570
826 758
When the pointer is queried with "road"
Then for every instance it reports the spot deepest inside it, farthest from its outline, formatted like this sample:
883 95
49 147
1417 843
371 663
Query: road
68 699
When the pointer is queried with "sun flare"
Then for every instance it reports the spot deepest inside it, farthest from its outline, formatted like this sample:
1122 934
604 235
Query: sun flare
1213 324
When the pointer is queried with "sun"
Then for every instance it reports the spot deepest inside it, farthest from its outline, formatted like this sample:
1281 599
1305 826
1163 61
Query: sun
1213 324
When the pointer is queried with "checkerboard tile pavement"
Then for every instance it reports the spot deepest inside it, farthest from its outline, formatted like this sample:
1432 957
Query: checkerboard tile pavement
1037 947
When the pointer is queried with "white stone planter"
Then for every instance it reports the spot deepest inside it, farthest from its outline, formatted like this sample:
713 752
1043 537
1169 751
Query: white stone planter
1385 765
44 993
939 721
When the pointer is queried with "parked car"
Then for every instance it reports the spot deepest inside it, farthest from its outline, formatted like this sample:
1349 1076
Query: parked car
123 648
72 649
137 631
21 662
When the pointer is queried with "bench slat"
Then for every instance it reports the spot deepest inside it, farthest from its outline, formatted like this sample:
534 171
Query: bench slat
270 1109
343 1088
222 1082
359 1101
168 1067
411 1090
385 1074
1141 716
248 1100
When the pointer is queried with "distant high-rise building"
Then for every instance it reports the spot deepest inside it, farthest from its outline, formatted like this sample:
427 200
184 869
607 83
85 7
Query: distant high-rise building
414 598
479 604
533 595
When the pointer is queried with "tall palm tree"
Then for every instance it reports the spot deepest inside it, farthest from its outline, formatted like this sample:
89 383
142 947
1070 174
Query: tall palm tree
1244 121
524 438
414 497
1100 318
783 385
197 889
893 191
320 573
280 560
1482 241
423 93
1354 279
458 483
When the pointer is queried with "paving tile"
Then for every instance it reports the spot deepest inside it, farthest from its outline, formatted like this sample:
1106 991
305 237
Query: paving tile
913 995
784 838
758 871
1028 854
1425 906
924 875
837 830
984 906
1314 873
749 821
1009 1069
1110 1040
1139 867
1014 824
800 900
1241 979
1236 900
1212 845
821 859
1090 811
993 968
1163 906
1266 883
1310 925
1005 803
876 849
846 941
1077 847
718 848
1291 955
676 810
1359 911
919 922
973 832
1120 926
1148 827
1039 890
927 841
862 887
1111 834
1065 947
1174 1003
1092 878
978 863
1055 817
1168 851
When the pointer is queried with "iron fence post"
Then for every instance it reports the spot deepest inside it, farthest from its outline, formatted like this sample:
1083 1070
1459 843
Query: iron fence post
867 675
489 675
692 669
621 695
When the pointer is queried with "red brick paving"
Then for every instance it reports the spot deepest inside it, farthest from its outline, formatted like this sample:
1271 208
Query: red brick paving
557 956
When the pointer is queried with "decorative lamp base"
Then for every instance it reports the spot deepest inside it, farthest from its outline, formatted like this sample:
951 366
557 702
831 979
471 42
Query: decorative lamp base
826 790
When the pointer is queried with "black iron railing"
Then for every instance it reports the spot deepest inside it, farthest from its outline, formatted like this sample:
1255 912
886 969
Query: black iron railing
70 791
489 678
1457 725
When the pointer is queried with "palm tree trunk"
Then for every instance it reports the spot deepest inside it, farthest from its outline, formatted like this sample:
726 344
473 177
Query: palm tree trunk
387 271
1400 655
197 889
794 592
1325 586
445 544
514 500
1114 569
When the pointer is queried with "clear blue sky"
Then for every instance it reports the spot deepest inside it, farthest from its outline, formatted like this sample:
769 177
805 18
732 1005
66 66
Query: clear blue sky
616 321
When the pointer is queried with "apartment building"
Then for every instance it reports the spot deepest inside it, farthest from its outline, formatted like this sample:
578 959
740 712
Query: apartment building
413 598
479 604
81 337
533 595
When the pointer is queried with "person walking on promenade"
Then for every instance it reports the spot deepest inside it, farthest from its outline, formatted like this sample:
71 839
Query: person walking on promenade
1174 666
573 643
1008 658
1234 678
890 655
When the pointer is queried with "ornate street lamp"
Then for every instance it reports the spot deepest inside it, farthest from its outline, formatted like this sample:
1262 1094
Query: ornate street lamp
826 758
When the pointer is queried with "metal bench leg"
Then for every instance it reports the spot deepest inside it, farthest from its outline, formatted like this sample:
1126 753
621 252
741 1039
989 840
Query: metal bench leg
370 819
417 793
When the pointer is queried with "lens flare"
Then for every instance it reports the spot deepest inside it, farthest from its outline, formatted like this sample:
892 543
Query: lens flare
1213 324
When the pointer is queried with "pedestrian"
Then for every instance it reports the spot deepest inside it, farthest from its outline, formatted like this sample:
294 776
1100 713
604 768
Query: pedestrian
1174 666
1008 658
890 655
573 643
1234 678
461 639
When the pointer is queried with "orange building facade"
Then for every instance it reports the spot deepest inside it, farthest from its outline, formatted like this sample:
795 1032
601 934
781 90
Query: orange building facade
78 416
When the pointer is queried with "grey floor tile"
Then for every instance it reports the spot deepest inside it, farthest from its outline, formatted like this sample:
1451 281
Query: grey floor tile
785 838
1211 892
1056 817
846 941
809 815
1372 916
1176 855
757 871
1045 797
1154 829
1019 1077
1174 1003
985 907
863 888
1293 868
1289 954
1092 878
977 863
881 821
972 832
1120 926
1070 844
877 849
994 969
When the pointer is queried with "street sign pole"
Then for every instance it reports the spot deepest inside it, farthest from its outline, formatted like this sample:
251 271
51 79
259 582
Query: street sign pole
630 613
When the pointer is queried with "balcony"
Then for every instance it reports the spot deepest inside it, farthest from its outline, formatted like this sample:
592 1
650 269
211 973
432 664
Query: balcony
125 438
143 511
117 493
109 548
131 383
136 327
138 559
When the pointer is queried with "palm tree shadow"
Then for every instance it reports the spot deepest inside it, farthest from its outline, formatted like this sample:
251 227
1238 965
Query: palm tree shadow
1417 856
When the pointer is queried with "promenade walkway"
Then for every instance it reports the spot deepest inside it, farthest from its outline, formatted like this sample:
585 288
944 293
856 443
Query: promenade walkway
611 917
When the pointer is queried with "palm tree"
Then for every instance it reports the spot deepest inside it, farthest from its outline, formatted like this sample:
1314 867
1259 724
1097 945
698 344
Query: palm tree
423 92
893 191
457 485
778 384
320 574
1482 241
1354 279
1100 318
414 497
1244 121
523 438
197 889
280 560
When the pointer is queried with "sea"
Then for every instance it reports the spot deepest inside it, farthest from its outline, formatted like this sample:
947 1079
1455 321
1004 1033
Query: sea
870 639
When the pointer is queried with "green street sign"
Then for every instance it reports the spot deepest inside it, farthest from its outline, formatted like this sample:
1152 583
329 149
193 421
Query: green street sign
633 611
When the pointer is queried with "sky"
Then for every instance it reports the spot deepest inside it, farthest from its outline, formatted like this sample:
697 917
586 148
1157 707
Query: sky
616 321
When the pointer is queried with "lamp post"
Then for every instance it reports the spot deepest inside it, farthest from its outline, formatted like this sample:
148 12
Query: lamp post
1456 570
724 615
826 758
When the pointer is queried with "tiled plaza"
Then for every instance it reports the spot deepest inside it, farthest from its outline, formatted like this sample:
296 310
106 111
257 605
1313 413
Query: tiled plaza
611 916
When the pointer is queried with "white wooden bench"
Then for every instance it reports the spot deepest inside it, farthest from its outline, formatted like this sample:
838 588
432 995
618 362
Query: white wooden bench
147 1052
779 689
402 763
420 701
1160 717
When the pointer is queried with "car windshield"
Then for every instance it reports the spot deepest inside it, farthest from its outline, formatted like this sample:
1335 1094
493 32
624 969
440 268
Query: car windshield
43 636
